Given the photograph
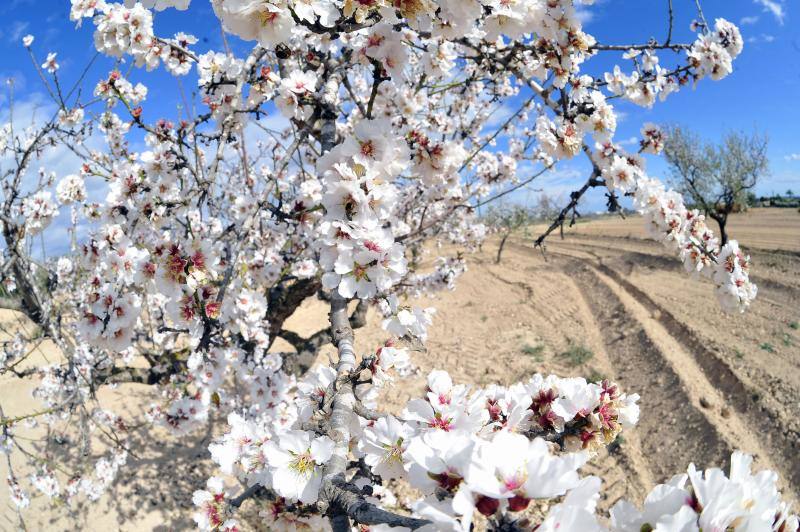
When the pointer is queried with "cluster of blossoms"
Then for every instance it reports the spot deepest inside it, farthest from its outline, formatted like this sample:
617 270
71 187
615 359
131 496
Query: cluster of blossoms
669 221
127 29
359 254
45 481
710 500
713 52
486 452
71 189
118 87
489 451
684 231
110 316
18 497
208 240
711 55
213 69
105 472
38 212
213 508
667 218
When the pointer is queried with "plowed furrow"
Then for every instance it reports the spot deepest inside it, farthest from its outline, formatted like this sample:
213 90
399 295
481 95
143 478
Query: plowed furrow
673 430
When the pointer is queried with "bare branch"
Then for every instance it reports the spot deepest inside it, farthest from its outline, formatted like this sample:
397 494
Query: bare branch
575 197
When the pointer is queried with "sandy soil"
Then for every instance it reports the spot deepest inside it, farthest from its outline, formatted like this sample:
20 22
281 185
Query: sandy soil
710 383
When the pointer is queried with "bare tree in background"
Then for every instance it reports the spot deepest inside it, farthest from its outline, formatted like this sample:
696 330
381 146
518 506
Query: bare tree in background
716 177
508 218
505 219
547 207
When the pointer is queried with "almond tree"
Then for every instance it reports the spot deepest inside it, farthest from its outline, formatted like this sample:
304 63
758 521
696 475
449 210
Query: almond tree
207 240
716 178
506 219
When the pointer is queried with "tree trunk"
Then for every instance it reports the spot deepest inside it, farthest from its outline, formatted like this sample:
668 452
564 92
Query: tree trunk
722 220
723 234
500 249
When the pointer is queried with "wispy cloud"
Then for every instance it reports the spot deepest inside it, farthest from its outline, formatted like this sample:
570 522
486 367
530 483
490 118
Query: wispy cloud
765 38
775 7
499 116
17 30
10 5
793 157
748 20
34 110
584 15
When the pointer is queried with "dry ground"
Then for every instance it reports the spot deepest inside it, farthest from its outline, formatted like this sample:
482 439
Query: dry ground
604 302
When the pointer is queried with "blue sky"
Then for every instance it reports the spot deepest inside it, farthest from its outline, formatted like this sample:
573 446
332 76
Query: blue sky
761 94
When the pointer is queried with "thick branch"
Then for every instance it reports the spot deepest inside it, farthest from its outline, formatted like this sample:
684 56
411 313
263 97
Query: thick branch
283 302
347 502
344 402
307 348
11 304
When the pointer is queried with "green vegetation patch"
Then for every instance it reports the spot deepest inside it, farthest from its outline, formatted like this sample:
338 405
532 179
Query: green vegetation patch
533 351
577 355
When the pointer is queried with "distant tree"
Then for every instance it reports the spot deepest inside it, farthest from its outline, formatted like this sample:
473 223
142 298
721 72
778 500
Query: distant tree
789 193
547 207
716 177
506 219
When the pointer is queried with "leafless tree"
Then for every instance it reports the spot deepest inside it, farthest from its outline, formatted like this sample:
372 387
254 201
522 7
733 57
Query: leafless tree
716 177
506 219
547 207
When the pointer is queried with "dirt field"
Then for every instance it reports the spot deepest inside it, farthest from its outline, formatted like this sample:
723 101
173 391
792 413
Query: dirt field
602 303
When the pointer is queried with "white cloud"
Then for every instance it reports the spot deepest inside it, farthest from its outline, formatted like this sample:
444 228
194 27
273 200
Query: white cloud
32 112
499 116
18 29
793 157
761 38
748 20
775 7
584 15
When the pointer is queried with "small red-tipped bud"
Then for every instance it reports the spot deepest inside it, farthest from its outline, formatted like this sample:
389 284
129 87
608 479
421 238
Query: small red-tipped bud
518 503
487 506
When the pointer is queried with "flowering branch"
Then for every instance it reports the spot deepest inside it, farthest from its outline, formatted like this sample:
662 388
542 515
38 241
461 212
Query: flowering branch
197 248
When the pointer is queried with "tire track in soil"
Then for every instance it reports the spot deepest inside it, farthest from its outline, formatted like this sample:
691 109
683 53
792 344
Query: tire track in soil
623 468
775 447
627 459
777 291
671 427
779 446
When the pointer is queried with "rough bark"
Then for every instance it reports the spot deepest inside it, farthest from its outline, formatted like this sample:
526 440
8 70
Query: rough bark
284 301
722 222
339 500
500 249
308 348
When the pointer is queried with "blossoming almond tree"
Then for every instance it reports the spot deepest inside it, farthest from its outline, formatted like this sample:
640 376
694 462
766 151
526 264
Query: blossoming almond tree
207 240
